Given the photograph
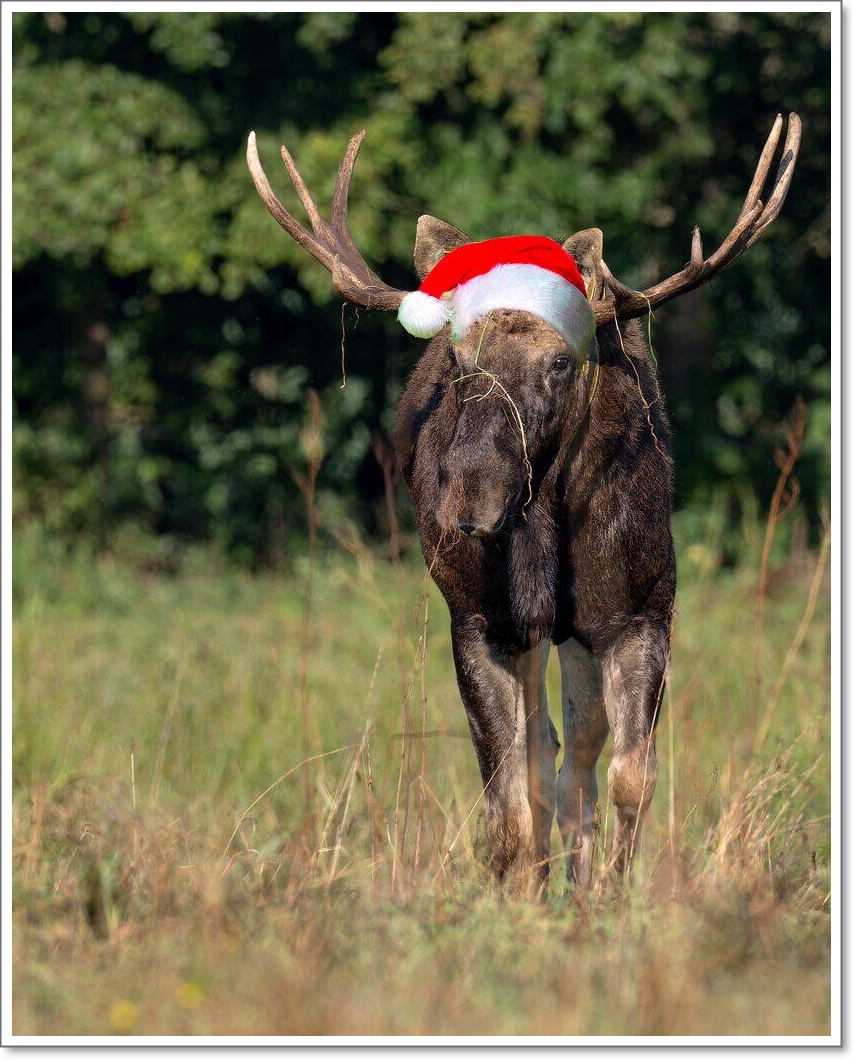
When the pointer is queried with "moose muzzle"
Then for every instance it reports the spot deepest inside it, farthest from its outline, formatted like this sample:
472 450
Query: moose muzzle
482 473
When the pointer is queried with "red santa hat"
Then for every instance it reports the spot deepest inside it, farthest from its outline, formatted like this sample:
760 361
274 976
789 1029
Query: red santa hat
532 273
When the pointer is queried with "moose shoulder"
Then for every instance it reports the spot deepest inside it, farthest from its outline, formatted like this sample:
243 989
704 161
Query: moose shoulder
540 469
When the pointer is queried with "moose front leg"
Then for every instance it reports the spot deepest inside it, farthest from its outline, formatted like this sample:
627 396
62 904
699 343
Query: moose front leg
541 748
492 685
634 671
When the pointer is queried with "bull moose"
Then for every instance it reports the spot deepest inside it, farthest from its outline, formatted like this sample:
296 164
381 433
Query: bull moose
533 437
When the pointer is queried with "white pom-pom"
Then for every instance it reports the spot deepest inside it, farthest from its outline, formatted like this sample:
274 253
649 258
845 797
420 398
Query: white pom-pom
423 315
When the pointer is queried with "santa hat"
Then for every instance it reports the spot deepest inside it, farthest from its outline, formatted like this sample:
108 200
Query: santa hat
532 273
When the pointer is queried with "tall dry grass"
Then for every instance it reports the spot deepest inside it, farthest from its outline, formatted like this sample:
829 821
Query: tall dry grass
249 805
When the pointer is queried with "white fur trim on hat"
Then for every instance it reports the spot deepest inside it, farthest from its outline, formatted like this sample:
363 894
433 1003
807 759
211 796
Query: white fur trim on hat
423 315
539 291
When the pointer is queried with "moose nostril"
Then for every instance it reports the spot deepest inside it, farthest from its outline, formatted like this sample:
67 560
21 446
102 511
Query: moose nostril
467 528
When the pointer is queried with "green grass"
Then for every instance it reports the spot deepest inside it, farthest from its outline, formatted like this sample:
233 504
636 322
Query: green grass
134 912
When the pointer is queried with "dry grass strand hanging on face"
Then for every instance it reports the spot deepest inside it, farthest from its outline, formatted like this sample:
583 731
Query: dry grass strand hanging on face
343 370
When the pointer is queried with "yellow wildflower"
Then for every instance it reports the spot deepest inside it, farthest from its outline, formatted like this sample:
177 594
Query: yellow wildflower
123 1016
189 995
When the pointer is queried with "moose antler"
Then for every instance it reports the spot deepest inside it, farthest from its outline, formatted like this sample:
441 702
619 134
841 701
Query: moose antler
330 243
754 218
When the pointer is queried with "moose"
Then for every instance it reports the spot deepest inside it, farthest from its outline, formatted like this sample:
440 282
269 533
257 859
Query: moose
537 454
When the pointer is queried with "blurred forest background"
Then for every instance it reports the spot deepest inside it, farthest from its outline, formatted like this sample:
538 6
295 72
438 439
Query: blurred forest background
166 332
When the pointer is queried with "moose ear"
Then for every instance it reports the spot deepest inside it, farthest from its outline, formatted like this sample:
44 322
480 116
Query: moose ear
434 239
587 249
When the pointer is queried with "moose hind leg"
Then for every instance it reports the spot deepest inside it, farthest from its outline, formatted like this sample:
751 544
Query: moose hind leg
585 731
634 671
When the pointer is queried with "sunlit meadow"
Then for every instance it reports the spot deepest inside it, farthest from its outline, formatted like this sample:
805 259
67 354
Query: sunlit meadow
179 871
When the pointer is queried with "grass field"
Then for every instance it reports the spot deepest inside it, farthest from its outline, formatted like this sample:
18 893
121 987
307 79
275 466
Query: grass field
177 871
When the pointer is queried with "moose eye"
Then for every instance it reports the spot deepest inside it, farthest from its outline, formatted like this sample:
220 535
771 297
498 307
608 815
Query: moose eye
561 364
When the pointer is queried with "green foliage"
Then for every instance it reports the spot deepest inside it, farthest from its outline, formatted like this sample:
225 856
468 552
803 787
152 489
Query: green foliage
165 330
98 169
